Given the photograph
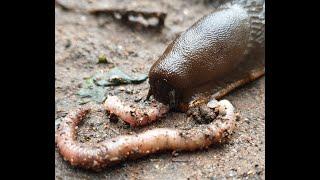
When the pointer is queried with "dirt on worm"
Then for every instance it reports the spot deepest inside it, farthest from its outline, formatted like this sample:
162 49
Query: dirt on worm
81 38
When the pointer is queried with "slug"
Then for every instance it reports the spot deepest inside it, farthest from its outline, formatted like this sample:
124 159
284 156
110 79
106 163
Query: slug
210 49
115 150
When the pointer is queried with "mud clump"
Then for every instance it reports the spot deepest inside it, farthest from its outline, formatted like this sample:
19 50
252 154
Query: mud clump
202 114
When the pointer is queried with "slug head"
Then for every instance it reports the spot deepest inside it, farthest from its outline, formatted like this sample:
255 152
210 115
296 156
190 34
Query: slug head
163 92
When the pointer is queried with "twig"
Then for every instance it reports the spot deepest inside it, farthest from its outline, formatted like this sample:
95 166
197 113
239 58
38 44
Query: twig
249 78
179 160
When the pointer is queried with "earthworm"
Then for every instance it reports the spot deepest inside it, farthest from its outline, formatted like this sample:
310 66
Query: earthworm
114 150
135 116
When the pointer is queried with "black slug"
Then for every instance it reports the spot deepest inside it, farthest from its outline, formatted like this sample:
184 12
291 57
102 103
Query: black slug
208 50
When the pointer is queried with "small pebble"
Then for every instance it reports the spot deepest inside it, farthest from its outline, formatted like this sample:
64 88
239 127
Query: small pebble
133 54
102 58
212 104
174 154
247 120
237 116
129 91
232 173
119 47
222 110
83 18
185 11
137 99
68 43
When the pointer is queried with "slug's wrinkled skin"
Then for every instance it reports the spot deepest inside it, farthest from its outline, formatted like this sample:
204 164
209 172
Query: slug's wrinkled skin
208 50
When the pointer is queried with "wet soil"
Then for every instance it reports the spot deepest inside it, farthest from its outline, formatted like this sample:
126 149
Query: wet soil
80 38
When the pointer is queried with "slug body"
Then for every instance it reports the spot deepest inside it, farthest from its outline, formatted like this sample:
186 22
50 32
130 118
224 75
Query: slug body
207 51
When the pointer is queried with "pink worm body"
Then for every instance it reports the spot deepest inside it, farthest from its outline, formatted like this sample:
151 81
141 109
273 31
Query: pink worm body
115 150
133 116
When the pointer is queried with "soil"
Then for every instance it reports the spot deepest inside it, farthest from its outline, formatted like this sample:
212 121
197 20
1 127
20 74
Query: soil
80 38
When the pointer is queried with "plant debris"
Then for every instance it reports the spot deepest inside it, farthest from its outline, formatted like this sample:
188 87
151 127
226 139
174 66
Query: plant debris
135 19
62 5
142 15
102 59
94 88
90 91
117 77
81 6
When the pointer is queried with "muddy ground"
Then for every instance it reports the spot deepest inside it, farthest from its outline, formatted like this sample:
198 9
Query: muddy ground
79 40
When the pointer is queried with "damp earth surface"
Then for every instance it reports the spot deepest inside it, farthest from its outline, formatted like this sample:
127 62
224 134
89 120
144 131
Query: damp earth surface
83 39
